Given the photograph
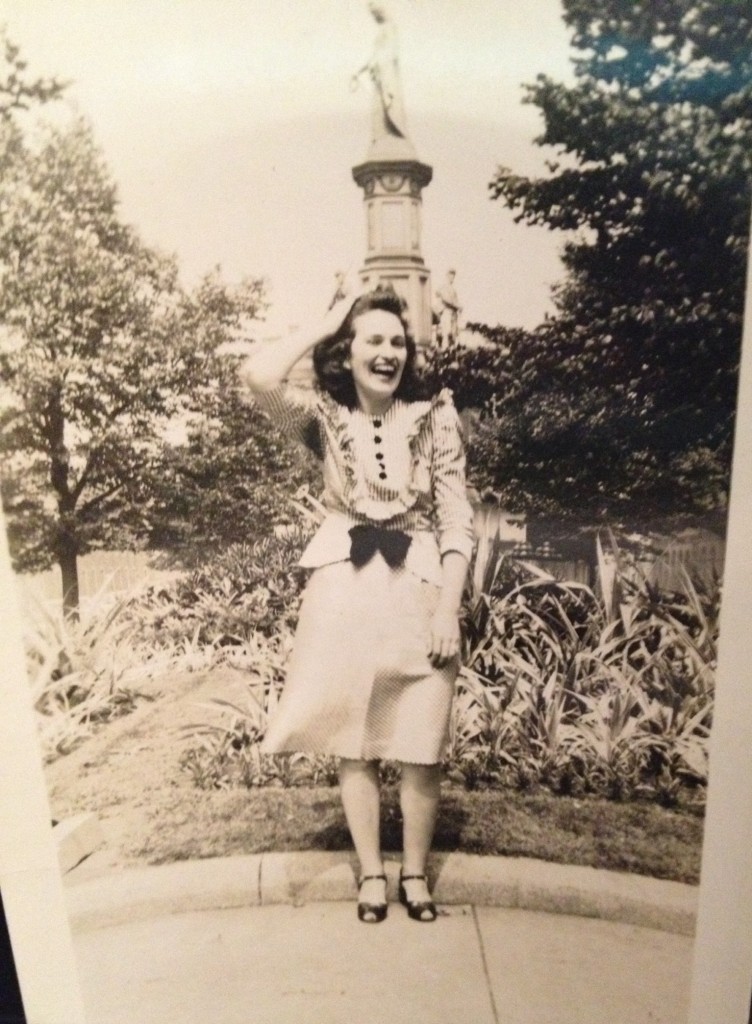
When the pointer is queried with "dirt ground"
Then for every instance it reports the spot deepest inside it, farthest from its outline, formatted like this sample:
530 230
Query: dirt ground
130 766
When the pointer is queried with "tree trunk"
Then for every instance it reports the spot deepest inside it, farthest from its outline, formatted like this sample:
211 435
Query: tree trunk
68 561
66 541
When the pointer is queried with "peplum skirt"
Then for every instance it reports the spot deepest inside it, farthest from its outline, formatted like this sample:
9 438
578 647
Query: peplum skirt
359 683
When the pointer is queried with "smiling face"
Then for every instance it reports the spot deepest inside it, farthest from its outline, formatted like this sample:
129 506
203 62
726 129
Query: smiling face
378 354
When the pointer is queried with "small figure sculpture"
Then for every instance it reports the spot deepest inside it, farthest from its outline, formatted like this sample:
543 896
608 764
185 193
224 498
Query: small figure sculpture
341 290
388 116
448 311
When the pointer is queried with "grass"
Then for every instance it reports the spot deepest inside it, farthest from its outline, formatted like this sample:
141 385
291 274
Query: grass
638 838
128 774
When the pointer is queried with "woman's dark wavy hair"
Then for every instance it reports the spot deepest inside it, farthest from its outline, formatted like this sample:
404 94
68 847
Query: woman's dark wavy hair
329 356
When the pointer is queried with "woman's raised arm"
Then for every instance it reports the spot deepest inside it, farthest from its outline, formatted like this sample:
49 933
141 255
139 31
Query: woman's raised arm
269 363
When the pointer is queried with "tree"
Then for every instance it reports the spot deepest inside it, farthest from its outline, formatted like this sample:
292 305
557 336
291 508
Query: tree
230 480
627 393
102 349
17 92
520 432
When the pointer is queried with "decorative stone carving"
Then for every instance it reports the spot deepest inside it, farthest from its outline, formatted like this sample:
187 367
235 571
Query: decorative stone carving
392 182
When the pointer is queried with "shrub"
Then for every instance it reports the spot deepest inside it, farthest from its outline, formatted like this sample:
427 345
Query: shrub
247 589
84 672
557 692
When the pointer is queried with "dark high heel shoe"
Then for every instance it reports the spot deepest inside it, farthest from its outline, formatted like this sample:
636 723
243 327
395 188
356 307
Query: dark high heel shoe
424 910
371 913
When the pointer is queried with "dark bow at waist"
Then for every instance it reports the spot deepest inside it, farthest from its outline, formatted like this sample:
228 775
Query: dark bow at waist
367 540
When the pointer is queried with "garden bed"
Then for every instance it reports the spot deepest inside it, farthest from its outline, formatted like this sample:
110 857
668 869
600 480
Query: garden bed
579 733
128 774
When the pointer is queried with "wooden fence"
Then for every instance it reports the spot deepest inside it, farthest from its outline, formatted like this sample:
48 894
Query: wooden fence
99 573
698 552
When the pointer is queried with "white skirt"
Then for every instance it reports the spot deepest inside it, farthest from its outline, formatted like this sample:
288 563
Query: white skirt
359 683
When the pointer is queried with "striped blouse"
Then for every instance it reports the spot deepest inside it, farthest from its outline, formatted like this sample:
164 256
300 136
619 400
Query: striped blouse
404 470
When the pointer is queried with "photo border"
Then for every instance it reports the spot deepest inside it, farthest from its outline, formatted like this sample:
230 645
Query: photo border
33 890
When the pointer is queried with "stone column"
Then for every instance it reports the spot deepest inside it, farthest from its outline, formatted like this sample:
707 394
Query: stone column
392 185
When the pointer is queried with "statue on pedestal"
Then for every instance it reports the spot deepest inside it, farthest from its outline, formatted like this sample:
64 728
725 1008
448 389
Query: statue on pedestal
448 311
392 178
388 116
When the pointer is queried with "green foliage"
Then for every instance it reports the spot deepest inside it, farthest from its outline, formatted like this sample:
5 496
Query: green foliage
482 377
239 610
242 606
230 758
626 396
541 434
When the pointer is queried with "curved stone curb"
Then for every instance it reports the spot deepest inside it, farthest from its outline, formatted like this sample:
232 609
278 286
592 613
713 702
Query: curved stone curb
261 879
528 884
77 838
137 893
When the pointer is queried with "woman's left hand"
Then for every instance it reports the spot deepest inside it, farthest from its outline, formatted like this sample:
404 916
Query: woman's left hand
445 638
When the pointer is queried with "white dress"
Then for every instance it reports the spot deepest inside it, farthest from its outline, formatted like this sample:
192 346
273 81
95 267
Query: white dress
359 683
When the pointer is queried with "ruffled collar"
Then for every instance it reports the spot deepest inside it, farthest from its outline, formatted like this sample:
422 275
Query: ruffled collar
338 419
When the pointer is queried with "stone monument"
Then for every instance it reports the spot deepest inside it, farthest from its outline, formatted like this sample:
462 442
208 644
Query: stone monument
392 179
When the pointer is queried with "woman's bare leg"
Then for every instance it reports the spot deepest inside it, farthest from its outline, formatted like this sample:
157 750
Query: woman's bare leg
419 801
359 789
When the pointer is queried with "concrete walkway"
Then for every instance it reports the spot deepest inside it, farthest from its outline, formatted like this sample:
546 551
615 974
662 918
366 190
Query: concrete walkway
274 938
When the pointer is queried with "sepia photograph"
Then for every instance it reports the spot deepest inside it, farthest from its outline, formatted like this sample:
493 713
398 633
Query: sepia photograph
376 479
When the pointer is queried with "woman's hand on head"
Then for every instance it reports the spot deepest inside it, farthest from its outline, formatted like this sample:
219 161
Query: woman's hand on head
445 638
335 316
268 364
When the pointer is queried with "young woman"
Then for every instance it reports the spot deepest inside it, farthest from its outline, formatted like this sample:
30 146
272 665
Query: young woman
376 650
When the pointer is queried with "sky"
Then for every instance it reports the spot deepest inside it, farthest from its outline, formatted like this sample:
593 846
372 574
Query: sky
231 131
